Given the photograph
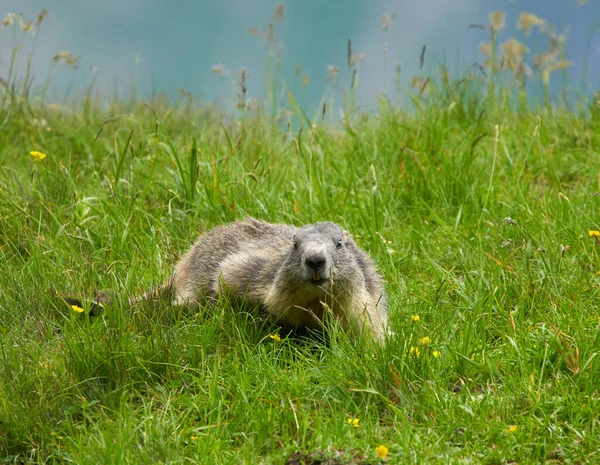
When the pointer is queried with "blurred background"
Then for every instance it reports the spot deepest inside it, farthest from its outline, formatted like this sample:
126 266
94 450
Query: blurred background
143 47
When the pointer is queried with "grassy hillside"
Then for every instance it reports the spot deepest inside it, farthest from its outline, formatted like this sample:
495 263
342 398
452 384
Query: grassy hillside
479 210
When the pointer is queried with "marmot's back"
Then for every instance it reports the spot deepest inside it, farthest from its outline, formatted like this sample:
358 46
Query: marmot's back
292 272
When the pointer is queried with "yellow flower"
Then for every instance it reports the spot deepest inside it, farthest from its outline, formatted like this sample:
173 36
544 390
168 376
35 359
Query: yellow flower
415 317
275 337
381 451
437 353
497 20
514 50
194 438
353 422
425 340
37 155
594 233
527 21
511 429
414 352
77 309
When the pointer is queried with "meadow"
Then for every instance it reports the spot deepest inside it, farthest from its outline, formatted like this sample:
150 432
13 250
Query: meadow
480 208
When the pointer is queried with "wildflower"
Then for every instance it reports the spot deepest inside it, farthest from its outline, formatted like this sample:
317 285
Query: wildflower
279 12
353 422
511 429
436 353
554 67
415 318
514 50
332 72
26 26
414 352
218 69
77 309
594 233
386 21
418 83
527 21
66 58
356 58
510 221
270 36
425 340
41 15
381 451
37 155
275 337
497 20
486 48
9 20
543 59
305 80
194 438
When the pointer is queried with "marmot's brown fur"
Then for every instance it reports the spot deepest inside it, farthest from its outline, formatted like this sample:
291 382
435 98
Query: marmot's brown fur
294 273
291 272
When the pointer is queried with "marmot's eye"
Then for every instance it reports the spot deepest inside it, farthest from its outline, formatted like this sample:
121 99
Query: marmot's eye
339 243
295 242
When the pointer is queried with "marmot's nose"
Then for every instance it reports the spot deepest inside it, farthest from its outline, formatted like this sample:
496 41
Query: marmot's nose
315 262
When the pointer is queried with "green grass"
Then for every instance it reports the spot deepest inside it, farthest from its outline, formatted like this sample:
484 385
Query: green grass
477 214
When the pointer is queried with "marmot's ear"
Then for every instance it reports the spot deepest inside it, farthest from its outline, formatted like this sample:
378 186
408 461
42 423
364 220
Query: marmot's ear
346 236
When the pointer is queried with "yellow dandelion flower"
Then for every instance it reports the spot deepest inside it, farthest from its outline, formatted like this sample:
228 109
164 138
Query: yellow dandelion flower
194 438
77 309
426 340
511 429
275 337
414 352
415 317
37 155
436 353
594 233
381 451
353 422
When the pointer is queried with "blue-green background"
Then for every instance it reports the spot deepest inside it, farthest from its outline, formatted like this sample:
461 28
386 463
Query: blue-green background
177 42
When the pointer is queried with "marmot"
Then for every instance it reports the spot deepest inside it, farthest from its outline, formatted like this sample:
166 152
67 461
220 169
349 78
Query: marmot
291 272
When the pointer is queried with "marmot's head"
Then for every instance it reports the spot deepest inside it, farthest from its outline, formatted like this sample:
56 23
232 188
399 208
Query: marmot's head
321 256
